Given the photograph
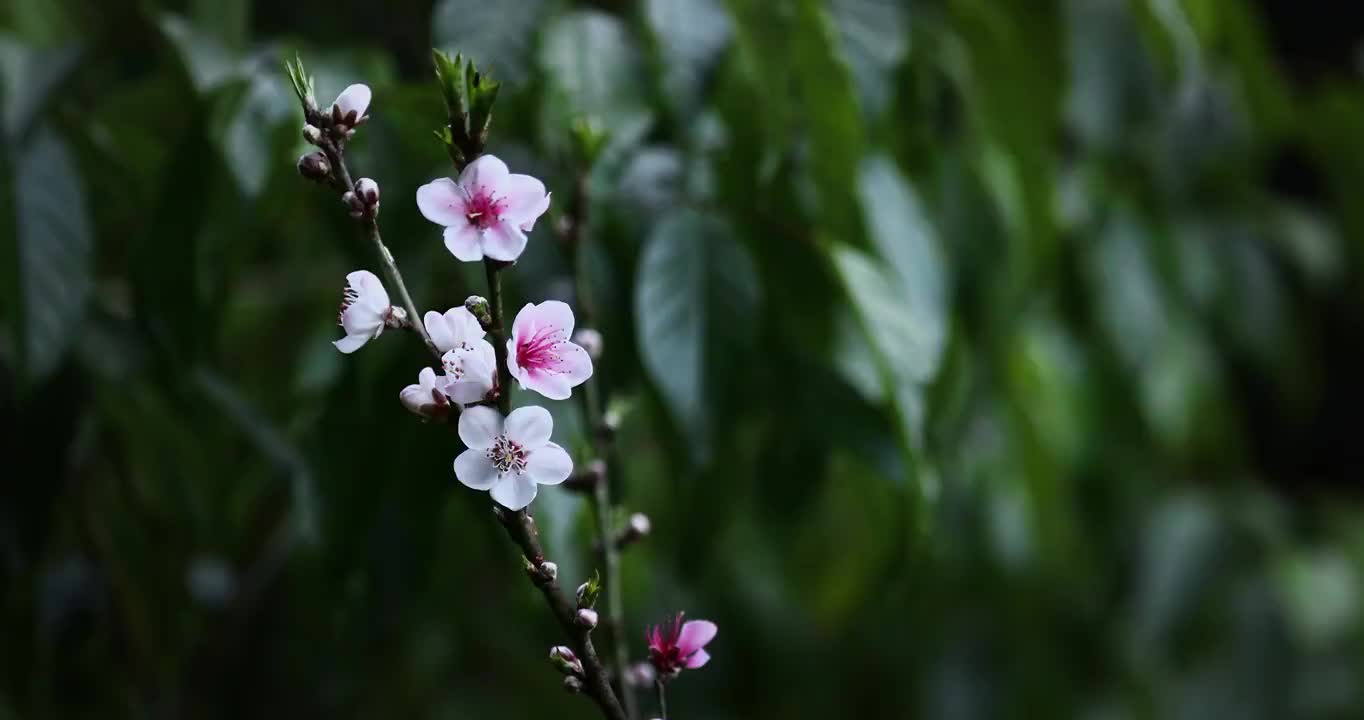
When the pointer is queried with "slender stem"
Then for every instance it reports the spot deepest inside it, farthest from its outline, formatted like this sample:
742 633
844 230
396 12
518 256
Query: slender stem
493 269
576 218
341 177
662 699
521 528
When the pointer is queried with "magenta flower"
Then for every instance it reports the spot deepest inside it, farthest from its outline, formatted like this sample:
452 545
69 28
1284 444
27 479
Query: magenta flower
540 355
488 211
677 645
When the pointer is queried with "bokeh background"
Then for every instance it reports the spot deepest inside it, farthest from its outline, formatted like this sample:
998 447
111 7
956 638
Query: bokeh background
973 359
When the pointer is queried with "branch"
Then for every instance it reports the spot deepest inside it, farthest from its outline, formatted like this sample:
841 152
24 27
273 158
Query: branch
521 528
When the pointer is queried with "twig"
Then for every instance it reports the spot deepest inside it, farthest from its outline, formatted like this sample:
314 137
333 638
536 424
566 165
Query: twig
341 177
521 528
662 699
493 269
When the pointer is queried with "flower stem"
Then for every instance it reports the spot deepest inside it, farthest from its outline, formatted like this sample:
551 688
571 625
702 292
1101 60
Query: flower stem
573 236
493 269
521 528
342 179
662 699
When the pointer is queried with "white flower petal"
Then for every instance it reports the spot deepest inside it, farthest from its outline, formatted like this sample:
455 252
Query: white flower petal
351 343
354 98
464 242
443 202
550 314
479 427
487 172
549 464
552 385
359 319
514 491
525 199
529 427
439 331
575 365
476 470
503 241
529 225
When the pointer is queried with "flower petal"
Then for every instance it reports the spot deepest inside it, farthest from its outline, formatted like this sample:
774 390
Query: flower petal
549 464
503 241
359 319
487 172
695 635
354 98
525 200
479 427
574 364
464 242
553 314
529 427
552 385
697 659
456 328
439 331
351 343
514 491
476 470
443 202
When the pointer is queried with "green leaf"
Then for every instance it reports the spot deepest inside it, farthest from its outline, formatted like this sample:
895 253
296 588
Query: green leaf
690 35
875 40
594 68
696 301
53 249
498 37
27 78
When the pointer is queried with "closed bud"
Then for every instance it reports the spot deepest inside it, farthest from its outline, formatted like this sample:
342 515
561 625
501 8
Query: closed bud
590 340
573 684
586 617
478 307
314 166
548 571
354 204
312 134
368 191
565 660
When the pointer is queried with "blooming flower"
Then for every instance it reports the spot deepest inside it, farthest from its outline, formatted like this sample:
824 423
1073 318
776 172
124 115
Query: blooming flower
487 212
677 645
427 397
470 373
457 328
365 310
354 99
511 456
540 355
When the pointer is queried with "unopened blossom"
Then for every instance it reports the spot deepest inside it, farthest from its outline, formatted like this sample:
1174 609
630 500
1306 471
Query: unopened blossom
487 212
365 310
426 398
540 355
510 457
675 646
354 99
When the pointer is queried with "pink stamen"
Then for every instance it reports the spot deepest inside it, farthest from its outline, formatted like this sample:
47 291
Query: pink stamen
484 209
540 350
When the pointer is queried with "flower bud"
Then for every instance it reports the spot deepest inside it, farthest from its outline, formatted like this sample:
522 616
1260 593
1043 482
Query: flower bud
354 204
640 674
588 591
368 191
549 571
565 660
590 341
314 166
573 684
312 134
586 617
478 307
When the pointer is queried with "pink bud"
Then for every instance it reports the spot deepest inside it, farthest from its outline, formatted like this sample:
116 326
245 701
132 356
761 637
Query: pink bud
587 617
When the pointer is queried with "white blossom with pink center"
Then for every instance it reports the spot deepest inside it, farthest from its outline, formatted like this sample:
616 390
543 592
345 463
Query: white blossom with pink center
540 355
510 457
365 310
426 398
487 212
469 361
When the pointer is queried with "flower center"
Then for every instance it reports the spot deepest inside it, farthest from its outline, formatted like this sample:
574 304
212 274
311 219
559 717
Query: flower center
507 456
484 209
348 298
540 350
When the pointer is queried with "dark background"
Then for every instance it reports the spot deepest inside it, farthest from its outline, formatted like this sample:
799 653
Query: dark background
1010 362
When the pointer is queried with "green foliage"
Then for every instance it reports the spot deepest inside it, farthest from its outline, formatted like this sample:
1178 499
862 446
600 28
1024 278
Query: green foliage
970 358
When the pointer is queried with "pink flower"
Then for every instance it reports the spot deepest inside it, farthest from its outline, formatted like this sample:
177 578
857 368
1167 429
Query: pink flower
540 355
510 457
487 212
677 645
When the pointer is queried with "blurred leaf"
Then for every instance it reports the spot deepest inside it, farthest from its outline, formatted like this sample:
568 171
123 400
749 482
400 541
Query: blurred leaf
594 69
247 141
27 78
875 40
53 247
207 61
497 36
226 20
690 36
696 300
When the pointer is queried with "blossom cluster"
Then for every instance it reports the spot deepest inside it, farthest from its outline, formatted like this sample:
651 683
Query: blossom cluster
486 213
